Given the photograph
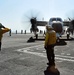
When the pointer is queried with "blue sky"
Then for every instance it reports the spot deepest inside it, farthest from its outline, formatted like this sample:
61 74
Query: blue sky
12 12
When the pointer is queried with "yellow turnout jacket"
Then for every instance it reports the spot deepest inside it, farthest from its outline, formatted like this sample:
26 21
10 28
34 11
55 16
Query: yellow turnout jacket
50 38
2 31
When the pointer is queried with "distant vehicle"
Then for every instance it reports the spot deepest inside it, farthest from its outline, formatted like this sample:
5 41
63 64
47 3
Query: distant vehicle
57 24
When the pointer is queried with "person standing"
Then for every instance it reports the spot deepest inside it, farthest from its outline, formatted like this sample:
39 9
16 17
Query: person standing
2 31
50 42
10 32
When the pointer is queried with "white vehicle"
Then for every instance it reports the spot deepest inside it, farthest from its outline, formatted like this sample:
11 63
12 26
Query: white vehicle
57 24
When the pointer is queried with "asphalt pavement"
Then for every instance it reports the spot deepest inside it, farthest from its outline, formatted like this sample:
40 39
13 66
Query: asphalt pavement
19 57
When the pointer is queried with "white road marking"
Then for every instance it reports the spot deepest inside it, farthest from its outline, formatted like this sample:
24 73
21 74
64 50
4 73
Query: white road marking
31 47
65 56
59 61
62 53
68 54
59 57
64 59
44 51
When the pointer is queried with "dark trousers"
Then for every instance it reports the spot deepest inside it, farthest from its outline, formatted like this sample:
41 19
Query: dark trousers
0 45
50 55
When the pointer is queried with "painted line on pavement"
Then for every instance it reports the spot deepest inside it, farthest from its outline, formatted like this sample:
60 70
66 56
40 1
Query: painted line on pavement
59 57
28 48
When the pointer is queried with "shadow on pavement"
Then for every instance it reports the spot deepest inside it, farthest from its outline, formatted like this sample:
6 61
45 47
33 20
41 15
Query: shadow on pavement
63 41
60 43
30 40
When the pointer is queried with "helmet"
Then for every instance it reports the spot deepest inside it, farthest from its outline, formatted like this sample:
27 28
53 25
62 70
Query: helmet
49 27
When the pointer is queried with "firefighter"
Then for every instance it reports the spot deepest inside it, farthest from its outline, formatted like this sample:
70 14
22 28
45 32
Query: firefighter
50 42
2 31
